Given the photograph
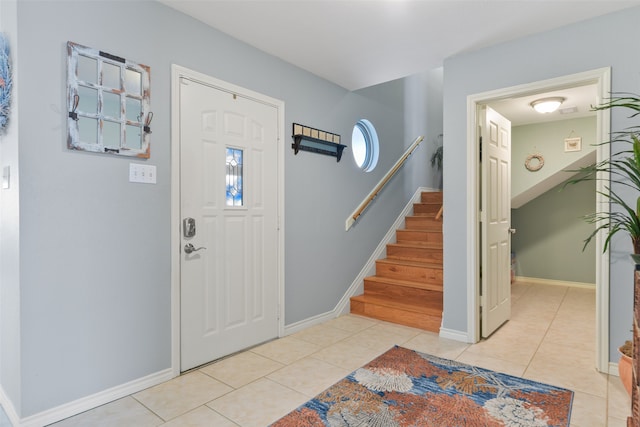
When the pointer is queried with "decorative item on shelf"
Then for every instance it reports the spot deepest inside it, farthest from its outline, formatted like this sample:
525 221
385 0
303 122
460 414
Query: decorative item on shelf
6 81
534 162
306 138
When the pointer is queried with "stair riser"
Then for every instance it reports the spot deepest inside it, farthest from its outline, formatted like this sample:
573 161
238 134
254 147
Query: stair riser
414 320
418 236
396 292
422 223
425 209
408 272
431 197
426 254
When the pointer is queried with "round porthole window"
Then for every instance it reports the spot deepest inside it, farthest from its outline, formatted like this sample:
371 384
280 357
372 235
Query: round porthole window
364 145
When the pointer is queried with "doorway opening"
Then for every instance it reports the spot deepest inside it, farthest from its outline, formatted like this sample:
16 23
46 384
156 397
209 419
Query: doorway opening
601 79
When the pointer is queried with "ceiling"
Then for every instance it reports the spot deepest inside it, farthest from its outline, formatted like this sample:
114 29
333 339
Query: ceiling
361 43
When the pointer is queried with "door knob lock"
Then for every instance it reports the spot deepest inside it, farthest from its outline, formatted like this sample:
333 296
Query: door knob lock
188 248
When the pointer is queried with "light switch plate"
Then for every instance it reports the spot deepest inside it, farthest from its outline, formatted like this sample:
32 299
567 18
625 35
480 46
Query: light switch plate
145 174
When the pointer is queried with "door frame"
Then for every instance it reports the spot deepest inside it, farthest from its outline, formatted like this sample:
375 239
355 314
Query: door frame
178 72
602 79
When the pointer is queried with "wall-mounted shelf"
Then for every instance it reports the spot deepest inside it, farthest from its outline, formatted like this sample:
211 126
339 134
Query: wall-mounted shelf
316 141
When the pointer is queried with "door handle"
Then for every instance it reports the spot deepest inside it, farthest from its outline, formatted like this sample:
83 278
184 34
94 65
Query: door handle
512 231
188 248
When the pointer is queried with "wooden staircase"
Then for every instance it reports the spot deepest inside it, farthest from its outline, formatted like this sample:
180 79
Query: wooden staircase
407 287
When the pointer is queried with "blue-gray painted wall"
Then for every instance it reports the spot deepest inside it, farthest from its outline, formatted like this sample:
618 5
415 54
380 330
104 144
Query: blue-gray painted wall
92 280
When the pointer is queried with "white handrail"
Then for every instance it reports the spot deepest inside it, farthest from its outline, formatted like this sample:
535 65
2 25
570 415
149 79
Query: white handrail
365 203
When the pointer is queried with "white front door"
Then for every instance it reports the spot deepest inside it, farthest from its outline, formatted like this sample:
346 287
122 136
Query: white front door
496 220
229 290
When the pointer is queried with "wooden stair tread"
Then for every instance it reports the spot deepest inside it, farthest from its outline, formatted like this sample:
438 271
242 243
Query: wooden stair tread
431 308
416 244
411 263
406 283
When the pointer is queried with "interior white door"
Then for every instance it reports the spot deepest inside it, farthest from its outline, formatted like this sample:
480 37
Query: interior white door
229 209
495 279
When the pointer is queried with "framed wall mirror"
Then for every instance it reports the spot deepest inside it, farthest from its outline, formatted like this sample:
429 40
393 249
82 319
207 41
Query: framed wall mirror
108 103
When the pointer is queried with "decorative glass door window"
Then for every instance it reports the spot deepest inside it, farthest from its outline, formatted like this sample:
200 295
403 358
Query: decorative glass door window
235 193
108 103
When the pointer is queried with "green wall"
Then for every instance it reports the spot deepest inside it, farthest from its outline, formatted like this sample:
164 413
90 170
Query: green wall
551 232
550 228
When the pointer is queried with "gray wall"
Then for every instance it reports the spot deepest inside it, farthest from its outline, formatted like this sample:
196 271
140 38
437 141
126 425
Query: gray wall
94 275
550 235
603 42
9 233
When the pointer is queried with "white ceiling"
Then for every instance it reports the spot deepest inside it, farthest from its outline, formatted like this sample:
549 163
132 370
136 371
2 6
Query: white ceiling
361 43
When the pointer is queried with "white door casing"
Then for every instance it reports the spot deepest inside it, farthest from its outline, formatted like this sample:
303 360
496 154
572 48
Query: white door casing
230 292
602 79
496 220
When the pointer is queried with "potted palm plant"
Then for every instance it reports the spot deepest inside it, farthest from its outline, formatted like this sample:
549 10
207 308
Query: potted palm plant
624 171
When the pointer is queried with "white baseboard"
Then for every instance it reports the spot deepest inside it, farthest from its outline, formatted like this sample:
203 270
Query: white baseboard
613 369
357 286
84 404
454 335
552 282
9 409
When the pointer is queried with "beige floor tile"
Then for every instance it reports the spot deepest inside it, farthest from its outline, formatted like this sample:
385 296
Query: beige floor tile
286 350
241 369
518 350
614 422
352 323
322 335
431 343
378 338
618 400
348 356
588 410
401 331
203 416
124 412
574 373
258 404
309 376
181 395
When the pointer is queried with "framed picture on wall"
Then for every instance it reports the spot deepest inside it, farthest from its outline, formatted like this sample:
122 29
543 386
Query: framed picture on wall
572 144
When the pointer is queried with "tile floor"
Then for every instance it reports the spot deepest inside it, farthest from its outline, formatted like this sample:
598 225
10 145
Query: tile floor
256 387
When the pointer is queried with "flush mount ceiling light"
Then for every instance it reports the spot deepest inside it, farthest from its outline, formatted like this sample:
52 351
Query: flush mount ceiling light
547 105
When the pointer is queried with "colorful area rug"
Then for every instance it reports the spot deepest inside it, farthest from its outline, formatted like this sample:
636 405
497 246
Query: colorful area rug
406 388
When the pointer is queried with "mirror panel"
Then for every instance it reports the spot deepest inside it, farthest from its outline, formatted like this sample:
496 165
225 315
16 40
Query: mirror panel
134 110
88 129
88 100
110 75
111 134
87 69
111 105
134 137
132 82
